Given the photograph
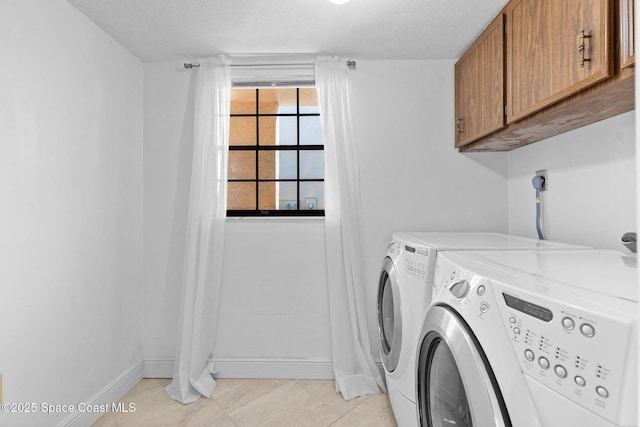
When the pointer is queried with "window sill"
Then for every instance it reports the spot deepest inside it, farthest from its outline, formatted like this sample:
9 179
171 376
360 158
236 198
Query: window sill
276 218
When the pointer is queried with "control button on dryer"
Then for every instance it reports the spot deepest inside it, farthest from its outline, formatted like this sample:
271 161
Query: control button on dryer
516 330
512 320
528 354
561 372
543 362
580 381
481 290
460 288
484 307
602 392
568 323
587 330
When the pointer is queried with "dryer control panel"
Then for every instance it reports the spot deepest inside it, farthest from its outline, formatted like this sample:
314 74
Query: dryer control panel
582 351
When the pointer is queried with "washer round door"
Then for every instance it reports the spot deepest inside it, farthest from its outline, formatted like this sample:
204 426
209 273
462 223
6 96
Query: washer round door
389 316
455 384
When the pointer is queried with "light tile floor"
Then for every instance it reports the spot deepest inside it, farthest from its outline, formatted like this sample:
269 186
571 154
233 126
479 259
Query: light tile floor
253 403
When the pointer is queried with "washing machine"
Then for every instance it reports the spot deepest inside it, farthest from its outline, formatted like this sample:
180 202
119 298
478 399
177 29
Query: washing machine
404 293
530 338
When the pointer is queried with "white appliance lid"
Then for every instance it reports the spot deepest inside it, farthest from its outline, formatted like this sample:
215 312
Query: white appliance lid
476 241
606 272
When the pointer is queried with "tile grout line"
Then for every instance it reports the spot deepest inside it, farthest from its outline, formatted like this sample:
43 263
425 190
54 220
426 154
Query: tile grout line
309 393
248 402
223 411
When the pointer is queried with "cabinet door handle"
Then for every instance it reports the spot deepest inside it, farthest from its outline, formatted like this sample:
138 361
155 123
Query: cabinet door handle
459 124
581 48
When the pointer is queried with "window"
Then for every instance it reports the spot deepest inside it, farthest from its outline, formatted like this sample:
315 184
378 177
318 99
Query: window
276 153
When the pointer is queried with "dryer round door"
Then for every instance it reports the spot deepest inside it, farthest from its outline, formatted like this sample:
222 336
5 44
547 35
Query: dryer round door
389 316
455 384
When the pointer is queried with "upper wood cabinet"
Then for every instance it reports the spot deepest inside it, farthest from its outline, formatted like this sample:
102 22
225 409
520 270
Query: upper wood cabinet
627 30
565 64
555 49
479 77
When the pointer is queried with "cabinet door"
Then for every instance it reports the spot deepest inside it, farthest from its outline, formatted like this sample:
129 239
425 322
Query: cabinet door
627 47
548 59
479 77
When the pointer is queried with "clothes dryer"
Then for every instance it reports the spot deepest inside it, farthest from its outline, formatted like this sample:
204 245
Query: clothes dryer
404 293
530 338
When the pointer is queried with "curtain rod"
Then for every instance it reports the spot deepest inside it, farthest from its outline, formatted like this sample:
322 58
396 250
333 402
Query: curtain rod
351 64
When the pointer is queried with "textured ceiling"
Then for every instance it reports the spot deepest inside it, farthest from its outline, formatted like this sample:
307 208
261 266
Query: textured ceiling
167 30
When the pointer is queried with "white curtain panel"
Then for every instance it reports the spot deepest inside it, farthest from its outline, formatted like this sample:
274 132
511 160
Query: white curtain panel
355 371
193 368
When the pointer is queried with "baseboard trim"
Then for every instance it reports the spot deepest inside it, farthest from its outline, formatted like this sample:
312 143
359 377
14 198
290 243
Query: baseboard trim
157 368
112 393
237 367
309 369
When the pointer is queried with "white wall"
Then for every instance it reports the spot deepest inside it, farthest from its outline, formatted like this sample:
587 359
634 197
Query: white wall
70 210
275 300
275 311
168 134
413 179
591 174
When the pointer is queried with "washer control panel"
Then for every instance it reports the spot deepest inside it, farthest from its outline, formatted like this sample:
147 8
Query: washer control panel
417 261
580 353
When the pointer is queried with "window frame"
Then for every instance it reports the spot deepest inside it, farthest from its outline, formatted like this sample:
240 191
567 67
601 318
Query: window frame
257 148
